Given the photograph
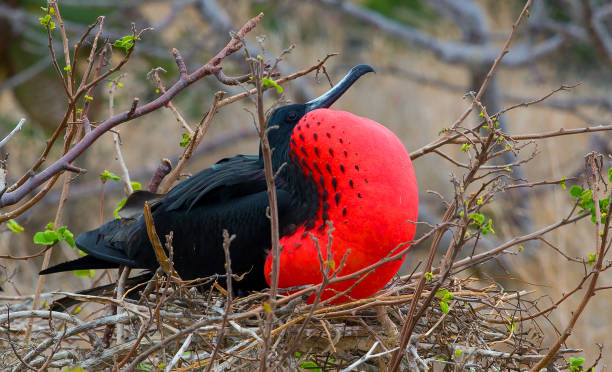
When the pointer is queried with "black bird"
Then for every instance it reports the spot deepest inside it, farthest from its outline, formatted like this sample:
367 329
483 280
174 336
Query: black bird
229 195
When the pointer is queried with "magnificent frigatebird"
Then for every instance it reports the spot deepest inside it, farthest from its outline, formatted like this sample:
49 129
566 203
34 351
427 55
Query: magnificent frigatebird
333 166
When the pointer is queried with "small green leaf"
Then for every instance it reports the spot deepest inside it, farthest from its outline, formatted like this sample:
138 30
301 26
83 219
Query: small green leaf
85 273
331 264
562 183
458 352
267 307
46 22
14 226
144 367
67 68
477 218
75 369
429 276
47 237
136 185
488 228
269 83
465 147
68 237
79 111
576 362
126 42
50 226
120 85
78 310
610 174
575 191
592 259
521 248
444 307
106 175
185 141
119 206
89 98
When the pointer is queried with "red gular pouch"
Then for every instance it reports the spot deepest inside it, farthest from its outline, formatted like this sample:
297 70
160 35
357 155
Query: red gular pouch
368 194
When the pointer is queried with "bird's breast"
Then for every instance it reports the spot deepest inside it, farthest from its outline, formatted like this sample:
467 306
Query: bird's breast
367 193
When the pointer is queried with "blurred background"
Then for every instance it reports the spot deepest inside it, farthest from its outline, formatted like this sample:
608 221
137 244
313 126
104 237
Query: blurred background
428 55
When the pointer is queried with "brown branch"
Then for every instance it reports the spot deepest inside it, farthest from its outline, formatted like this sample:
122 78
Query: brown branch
12 197
601 236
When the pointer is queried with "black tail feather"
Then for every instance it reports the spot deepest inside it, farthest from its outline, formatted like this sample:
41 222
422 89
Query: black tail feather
83 263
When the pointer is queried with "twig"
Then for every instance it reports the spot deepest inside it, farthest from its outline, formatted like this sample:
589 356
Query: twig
179 353
13 132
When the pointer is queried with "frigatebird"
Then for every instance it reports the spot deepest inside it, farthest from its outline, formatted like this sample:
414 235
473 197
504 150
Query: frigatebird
232 195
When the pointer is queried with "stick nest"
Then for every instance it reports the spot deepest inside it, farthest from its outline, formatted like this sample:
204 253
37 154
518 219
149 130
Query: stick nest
469 324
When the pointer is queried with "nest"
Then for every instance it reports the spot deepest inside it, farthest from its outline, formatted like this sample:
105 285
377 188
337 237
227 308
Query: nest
176 327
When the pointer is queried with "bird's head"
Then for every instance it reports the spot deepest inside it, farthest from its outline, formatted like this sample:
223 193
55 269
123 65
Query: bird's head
285 118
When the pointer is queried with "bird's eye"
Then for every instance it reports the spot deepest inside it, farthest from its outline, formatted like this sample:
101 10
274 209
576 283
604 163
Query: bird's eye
291 116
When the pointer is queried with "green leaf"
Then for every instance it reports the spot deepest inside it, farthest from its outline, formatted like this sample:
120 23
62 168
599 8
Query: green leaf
444 307
46 22
75 369
106 175
477 218
592 259
136 185
67 68
575 191
47 237
576 362
88 98
429 276
67 236
458 352
78 310
488 228
14 226
50 226
185 141
267 307
85 273
465 147
269 83
309 366
144 367
562 183
126 42
610 174
119 206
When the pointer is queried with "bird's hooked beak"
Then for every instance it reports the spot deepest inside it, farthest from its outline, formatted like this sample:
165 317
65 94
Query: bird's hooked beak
327 99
